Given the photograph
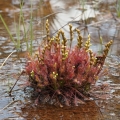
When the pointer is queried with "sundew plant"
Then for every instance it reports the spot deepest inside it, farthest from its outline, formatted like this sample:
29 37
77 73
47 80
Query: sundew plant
61 74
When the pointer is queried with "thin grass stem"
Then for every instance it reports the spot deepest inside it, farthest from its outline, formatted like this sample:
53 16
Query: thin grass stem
7 59
6 27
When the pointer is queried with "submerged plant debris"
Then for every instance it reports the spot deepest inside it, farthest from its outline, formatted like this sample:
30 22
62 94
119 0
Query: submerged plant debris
61 74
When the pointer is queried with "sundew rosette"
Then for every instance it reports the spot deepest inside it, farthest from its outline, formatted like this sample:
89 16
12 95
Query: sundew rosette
62 74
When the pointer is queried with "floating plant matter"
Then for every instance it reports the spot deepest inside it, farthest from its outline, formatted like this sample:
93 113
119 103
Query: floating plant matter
62 74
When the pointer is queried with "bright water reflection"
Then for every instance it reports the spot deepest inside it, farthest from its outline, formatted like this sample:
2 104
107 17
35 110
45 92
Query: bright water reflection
19 105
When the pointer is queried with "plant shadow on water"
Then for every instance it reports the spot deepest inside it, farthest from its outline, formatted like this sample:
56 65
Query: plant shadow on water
106 105
47 112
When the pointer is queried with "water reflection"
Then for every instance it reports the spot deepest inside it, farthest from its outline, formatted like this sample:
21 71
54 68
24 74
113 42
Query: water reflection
7 6
83 112
59 13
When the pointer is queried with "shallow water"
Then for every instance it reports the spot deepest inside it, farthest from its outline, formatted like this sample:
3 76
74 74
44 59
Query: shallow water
96 20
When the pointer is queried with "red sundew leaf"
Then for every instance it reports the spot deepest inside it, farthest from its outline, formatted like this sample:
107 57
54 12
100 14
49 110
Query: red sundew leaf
95 70
79 56
43 70
43 76
81 69
80 78
77 81
91 80
29 67
37 78
69 71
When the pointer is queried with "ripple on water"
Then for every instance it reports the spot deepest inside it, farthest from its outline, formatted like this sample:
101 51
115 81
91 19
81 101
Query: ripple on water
29 111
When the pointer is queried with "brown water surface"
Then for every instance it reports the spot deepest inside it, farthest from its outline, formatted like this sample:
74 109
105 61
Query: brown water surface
97 18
